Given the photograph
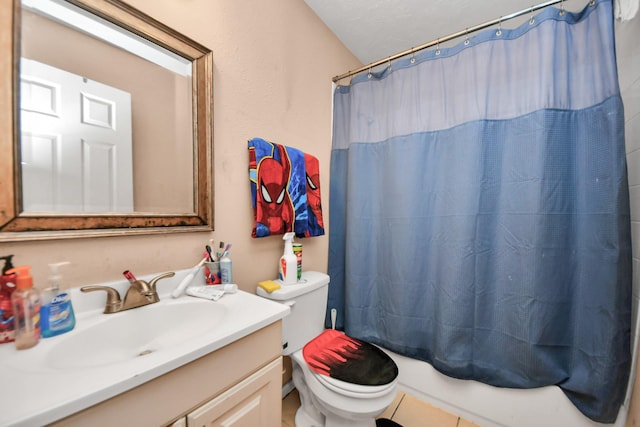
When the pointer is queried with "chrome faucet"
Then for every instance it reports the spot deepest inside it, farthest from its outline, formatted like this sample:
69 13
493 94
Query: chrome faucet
139 293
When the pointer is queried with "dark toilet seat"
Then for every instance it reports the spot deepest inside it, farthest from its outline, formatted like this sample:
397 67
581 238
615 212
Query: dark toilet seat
350 360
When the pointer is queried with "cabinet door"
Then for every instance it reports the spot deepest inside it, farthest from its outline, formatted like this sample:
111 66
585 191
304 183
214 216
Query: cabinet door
254 402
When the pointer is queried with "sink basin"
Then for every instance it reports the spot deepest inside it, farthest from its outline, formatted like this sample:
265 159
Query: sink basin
130 334
109 354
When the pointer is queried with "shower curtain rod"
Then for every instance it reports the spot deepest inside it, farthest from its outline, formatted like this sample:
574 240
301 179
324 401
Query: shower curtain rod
466 31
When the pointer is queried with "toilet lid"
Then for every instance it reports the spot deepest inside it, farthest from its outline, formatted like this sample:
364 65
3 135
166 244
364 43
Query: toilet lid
334 354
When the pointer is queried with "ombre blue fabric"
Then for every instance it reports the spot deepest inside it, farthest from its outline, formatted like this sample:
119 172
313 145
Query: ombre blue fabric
480 212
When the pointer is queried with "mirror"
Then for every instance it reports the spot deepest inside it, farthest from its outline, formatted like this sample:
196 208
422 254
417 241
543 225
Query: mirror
140 158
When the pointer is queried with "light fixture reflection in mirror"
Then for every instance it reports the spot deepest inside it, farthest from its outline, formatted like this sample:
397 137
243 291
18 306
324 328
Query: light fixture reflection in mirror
153 173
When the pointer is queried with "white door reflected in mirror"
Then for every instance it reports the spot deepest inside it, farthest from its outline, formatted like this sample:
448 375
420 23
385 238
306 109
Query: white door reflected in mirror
76 143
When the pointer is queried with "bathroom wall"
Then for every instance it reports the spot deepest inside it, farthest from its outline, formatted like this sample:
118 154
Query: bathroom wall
273 63
628 53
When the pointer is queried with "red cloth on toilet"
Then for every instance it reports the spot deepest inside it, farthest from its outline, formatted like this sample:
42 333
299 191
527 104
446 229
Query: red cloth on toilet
348 359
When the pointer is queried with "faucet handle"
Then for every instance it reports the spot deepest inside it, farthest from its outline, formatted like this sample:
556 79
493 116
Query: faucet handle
152 282
113 304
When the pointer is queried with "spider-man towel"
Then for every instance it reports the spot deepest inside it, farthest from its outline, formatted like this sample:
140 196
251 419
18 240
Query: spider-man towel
285 192
347 359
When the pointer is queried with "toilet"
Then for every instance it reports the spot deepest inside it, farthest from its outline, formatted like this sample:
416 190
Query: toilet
327 400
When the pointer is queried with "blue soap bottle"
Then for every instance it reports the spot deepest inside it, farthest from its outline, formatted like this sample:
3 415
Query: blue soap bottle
56 312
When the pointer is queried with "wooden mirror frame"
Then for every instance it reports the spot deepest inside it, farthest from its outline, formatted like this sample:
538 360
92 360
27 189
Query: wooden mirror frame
16 225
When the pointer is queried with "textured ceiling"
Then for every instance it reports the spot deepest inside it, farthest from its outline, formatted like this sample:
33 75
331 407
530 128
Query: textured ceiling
375 29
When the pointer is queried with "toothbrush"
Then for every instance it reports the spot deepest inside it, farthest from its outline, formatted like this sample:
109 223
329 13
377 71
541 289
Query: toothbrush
208 248
226 251
220 253
185 282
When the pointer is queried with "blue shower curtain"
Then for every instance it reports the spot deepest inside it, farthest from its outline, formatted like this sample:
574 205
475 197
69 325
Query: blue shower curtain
479 209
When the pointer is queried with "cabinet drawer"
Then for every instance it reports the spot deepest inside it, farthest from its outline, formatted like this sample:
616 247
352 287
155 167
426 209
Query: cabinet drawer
254 402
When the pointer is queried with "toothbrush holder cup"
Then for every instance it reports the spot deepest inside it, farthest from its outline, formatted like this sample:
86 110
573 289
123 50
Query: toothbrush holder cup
212 273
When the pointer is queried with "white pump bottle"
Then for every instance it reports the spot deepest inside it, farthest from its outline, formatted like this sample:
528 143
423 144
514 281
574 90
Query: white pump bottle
288 267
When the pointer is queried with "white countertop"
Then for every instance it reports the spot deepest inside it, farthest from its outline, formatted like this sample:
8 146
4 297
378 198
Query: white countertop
35 393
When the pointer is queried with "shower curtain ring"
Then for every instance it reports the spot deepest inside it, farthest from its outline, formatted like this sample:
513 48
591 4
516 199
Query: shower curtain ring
438 47
499 32
592 3
413 56
562 8
369 73
531 20
466 37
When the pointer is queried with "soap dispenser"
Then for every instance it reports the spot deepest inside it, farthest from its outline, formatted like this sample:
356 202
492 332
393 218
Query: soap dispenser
56 313
25 301
7 286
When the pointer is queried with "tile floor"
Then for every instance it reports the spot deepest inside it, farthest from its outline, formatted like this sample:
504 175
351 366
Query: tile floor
405 410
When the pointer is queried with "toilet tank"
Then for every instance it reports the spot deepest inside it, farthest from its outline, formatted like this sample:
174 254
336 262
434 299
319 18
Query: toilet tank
307 300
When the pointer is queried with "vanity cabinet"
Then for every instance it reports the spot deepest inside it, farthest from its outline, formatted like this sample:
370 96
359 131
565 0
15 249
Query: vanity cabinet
239 385
254 402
